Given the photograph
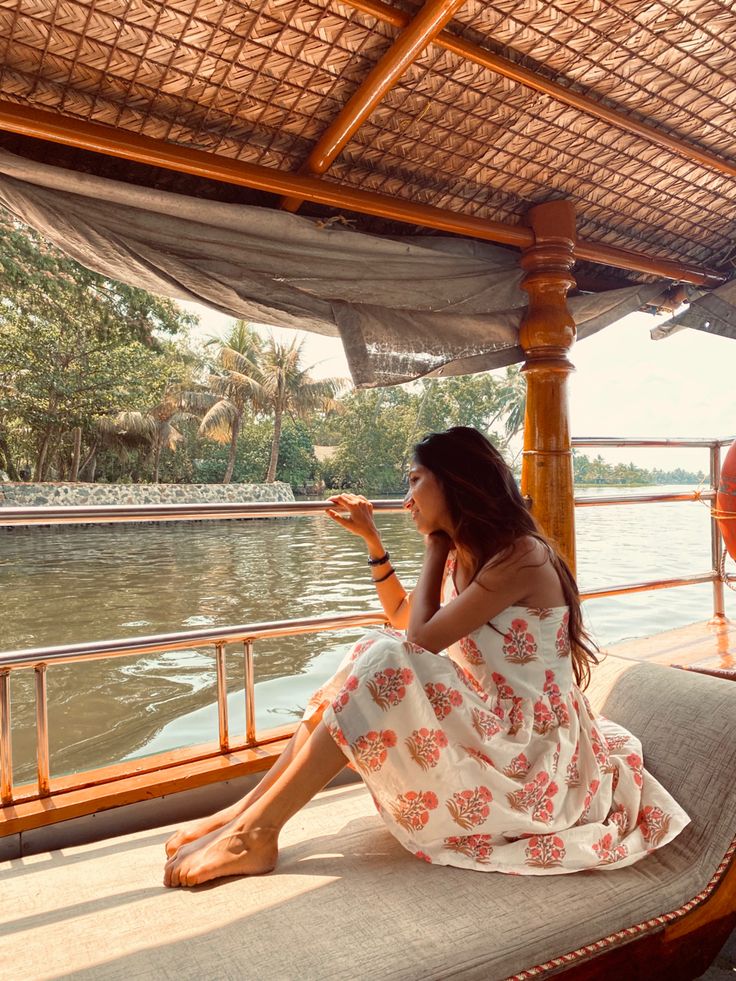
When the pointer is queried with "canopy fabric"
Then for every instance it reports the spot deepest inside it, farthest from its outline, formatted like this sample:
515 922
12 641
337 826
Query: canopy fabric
404 307
714 313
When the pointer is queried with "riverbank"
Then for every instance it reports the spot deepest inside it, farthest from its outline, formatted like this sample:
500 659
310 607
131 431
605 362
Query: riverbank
24 495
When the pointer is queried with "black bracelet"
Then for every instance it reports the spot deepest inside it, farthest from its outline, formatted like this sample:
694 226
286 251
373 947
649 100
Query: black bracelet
387 576
382 561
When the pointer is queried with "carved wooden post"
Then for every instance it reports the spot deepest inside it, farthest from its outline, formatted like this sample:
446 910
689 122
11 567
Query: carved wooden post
546 334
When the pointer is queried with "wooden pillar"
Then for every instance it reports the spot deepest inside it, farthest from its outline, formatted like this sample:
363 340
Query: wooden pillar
546 334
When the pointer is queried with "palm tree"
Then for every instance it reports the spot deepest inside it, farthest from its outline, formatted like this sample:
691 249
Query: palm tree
286 386
232 391
514 403
155 428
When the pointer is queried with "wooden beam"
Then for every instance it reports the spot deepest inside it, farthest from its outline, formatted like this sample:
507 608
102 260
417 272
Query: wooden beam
546 334
408 46
122 784
515 72
157 153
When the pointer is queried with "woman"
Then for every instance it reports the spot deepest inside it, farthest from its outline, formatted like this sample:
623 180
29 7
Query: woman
489 758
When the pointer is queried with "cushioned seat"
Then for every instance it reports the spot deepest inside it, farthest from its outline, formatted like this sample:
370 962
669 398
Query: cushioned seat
348 902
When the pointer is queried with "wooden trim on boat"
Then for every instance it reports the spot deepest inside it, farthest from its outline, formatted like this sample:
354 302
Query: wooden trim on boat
158 153
676 946
130 783
417 33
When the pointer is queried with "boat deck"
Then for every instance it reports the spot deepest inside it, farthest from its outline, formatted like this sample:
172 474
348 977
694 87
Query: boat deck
707 647
100 911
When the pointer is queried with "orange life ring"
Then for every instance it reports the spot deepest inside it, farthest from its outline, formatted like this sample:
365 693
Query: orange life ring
726 501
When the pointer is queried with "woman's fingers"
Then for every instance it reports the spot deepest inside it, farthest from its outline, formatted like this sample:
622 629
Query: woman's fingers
359 519
337 517
350 500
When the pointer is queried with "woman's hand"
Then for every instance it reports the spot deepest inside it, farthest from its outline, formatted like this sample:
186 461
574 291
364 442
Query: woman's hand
438 542
359 520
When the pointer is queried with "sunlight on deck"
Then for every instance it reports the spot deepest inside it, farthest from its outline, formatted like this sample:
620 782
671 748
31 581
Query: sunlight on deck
101 908
706 647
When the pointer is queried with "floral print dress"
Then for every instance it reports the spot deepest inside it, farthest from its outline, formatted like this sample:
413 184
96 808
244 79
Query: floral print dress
489 757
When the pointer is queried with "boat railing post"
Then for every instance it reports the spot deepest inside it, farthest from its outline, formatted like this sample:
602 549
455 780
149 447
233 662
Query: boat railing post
6 749
250 694
222 697
716 541
42 732
546 334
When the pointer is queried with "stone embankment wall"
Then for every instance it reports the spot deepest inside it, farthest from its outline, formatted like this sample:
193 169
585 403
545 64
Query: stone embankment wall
67 494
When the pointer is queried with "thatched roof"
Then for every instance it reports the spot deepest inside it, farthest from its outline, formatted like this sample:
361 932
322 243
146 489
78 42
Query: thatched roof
261 81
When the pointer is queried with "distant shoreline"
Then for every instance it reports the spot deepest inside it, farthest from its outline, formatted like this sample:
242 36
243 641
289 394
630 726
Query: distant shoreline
669 483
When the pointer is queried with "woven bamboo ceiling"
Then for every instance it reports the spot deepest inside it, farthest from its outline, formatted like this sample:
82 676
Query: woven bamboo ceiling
261 82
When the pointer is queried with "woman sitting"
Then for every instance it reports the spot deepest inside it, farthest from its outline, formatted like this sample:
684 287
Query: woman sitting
471 730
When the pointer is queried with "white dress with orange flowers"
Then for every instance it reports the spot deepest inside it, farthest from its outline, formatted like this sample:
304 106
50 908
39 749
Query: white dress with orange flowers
490 758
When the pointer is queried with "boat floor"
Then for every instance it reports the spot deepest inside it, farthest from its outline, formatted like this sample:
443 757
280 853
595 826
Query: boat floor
708 647
100 910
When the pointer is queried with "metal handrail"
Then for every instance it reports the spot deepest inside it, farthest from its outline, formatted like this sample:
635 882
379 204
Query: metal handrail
247 634
41 657
112 513
155 643
593 502
716 576
650 441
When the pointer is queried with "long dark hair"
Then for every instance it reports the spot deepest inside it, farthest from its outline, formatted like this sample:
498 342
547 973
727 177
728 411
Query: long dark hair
489 516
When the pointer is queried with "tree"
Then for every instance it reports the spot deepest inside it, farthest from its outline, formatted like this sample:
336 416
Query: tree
231 392
64 378
381 426
155 429
484 401
286 386
39 281
373 453
74 346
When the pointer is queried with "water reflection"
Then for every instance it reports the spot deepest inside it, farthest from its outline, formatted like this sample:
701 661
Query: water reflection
77 584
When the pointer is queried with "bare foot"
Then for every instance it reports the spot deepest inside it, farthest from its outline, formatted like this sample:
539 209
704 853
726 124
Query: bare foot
204 826
232 850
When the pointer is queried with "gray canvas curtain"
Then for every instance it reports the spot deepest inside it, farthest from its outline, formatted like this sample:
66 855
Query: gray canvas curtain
404 307
714 313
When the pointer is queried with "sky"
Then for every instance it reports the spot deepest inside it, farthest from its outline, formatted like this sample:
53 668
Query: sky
625 384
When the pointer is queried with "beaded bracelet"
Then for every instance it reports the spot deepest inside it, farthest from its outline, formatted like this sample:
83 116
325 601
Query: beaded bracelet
387 576
382 561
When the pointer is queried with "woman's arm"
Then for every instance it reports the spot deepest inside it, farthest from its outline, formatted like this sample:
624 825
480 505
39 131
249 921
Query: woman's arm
394 598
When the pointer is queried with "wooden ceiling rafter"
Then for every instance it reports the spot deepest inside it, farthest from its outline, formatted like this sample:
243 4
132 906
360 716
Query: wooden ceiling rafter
415 36
98 138
524 76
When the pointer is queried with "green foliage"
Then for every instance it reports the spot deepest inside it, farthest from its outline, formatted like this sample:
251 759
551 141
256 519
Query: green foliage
297 464
267 377
372 455
379 427
597 471
75 347
97 379
483 401
38 281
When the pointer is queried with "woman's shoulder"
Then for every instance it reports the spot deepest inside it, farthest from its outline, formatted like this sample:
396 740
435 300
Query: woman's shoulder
526 567
523 551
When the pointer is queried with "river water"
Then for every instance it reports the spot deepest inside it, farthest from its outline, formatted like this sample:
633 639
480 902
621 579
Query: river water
64 585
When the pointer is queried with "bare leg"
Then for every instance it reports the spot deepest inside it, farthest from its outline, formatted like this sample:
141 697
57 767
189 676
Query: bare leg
203 826
248 845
